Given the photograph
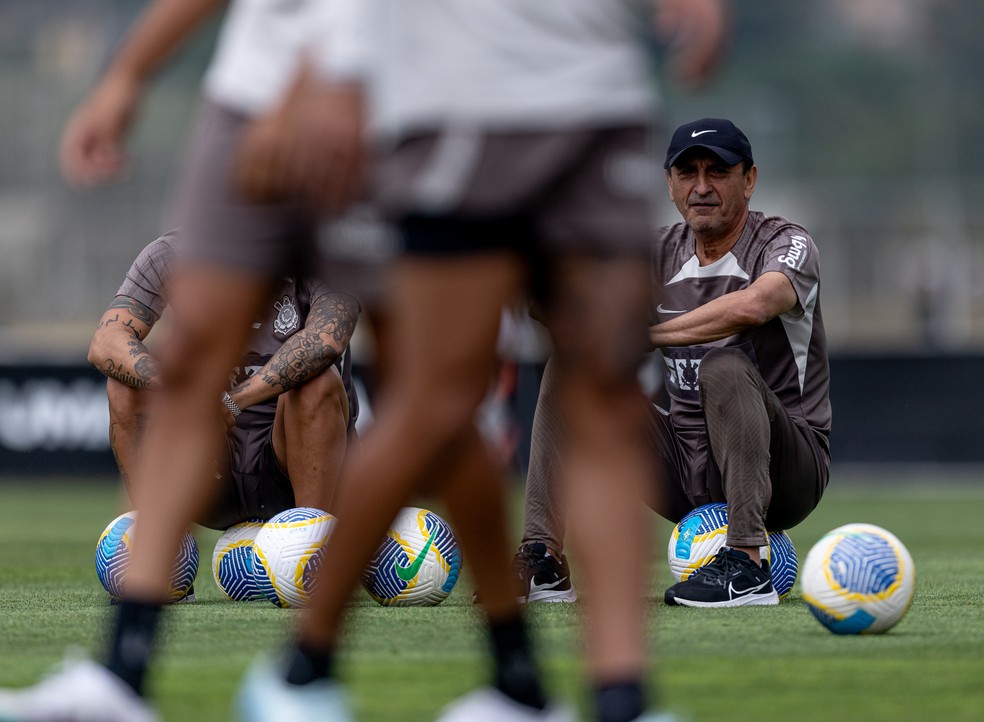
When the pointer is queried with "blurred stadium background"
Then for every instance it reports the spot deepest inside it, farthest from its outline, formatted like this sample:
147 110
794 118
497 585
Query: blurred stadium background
866 117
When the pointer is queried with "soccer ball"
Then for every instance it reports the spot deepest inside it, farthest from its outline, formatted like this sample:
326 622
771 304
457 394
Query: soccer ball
113 557
287 555
783 562
702 532
417 564
858 579
232 561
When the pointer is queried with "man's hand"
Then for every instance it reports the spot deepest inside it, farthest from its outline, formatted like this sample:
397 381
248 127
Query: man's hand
697 32
311 146
91 150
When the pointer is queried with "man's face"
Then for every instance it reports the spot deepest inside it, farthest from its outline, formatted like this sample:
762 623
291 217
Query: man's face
711 196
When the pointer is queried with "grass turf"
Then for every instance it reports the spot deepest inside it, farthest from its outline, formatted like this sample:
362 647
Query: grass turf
404 664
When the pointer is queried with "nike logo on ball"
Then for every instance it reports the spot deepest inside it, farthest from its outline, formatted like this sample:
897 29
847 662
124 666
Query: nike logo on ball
409 572
701 132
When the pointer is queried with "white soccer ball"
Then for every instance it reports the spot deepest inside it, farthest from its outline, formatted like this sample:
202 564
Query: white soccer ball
113 559
232 561
417 564
698 537
858 579
287 555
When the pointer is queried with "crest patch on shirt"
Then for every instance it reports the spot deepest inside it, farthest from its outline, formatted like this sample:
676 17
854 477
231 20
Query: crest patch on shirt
287 320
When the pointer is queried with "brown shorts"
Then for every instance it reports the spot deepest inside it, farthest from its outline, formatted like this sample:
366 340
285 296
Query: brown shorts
464 191
253 484
217 225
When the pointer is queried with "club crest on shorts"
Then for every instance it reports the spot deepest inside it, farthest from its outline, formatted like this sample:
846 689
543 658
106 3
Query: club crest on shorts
287 320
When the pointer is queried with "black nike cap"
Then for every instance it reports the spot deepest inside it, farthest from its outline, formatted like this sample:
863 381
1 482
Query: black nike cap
720 136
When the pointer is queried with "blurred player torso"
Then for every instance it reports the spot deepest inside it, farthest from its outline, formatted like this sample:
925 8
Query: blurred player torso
507 64
259 49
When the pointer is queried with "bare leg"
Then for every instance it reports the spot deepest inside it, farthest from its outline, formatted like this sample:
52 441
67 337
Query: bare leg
127 424
310 438
599 339
475 494
175 488
441 355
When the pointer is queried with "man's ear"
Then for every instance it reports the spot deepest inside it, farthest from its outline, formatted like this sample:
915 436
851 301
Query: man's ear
751 178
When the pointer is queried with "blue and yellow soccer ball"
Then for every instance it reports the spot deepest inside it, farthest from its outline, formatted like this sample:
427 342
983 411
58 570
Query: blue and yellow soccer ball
417 564
858 579
232 561
698 537
287 554
113 558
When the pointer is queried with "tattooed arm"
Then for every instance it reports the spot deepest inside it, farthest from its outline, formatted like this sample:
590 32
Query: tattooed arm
117 347
309 352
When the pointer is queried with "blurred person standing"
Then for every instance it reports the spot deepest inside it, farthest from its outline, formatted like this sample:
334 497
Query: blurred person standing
515 158
230 259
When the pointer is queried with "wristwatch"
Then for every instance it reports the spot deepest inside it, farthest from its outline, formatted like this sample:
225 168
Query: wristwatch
231 405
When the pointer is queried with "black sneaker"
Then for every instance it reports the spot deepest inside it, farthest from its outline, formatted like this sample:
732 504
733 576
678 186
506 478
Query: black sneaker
542 577
731 579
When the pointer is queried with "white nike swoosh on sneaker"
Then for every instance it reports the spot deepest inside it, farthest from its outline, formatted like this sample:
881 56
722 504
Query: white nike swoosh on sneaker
736 593
534 587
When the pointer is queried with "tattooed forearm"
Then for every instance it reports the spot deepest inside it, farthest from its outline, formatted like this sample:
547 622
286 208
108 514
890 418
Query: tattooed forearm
302 356
334 315
313 349
145 370
113 371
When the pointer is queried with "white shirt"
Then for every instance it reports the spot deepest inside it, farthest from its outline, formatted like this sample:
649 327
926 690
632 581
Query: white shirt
507 64
262 42
510 64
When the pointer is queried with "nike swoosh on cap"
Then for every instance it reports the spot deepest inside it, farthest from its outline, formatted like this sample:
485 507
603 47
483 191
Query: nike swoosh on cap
695 133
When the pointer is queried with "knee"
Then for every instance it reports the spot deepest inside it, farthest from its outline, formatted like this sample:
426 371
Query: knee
722 369
323 394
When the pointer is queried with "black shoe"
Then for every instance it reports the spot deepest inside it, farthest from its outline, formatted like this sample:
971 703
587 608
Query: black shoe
731 579
541 576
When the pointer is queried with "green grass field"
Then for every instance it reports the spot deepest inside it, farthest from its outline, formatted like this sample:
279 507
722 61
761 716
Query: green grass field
403 664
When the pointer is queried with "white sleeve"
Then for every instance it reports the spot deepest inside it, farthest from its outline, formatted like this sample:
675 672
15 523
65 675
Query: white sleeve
341 45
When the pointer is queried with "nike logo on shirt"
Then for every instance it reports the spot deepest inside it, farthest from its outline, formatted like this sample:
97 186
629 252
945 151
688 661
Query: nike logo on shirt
661 309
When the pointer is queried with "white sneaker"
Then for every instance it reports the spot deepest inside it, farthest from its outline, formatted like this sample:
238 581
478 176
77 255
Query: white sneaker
265 696
491 705
80 691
